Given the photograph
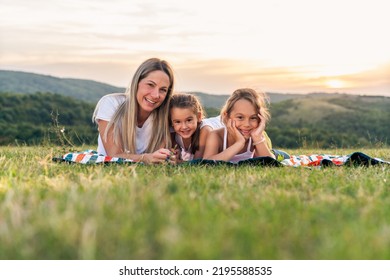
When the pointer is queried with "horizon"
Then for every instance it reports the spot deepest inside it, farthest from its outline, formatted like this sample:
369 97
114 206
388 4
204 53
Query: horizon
291 47
203 92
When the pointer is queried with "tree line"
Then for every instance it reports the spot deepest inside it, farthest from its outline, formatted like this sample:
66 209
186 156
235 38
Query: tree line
47 118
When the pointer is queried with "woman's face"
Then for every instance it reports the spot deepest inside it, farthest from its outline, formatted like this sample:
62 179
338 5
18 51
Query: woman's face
152 91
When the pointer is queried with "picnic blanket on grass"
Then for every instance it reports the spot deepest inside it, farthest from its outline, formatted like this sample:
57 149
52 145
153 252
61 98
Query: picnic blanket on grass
356 158
90 157
282 159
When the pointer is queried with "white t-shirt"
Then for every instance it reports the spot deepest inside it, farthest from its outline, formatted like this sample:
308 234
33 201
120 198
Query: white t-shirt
213 122
186 155
107 107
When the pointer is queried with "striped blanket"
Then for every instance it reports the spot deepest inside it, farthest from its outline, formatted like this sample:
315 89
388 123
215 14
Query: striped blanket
89 157
282 159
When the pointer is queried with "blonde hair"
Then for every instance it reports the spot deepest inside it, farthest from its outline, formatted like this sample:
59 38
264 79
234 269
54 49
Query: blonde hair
188 101
257 99
124 121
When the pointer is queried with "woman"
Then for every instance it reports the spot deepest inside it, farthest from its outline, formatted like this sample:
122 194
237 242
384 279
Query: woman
134 124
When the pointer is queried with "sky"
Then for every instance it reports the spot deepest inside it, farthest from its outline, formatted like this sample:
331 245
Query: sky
284 46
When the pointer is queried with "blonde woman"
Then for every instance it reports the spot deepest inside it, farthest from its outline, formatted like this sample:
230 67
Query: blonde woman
134 124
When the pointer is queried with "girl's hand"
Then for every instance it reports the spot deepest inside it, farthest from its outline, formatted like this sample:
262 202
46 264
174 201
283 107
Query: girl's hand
233 131
257 134
176 152
176 155
160 156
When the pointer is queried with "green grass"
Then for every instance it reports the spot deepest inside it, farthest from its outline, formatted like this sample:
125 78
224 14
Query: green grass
59 211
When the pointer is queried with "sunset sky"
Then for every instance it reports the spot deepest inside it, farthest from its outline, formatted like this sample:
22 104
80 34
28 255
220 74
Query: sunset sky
285 46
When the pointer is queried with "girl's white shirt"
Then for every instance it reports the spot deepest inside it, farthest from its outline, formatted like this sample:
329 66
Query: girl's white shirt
243 156
107 107
213 122
186 155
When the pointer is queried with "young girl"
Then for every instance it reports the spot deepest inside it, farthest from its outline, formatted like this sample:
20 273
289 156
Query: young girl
244 116
190 129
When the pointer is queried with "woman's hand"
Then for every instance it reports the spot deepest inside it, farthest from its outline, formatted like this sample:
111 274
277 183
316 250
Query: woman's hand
257 134
160 156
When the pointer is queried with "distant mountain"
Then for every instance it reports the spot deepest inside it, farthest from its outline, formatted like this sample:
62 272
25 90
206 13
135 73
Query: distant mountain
23 82
217 101
92 91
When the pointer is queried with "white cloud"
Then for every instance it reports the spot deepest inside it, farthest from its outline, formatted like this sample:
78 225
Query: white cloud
324 37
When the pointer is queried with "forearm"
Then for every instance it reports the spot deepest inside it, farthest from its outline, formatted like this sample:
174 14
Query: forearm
262 149
144 158
229 153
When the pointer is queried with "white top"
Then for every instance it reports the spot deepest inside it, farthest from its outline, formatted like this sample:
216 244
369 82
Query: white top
107 106
214 122
243 156
186 155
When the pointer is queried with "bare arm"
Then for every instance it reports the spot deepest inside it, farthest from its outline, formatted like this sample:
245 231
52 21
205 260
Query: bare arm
116 149
214 144
262 150
204 133
260 141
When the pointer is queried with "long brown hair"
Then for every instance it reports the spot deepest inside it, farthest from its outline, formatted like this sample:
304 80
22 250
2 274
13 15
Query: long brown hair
124 121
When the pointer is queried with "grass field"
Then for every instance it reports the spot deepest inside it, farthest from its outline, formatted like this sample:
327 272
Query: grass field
58 211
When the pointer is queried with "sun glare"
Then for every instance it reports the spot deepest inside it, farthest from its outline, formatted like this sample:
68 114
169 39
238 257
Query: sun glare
334 83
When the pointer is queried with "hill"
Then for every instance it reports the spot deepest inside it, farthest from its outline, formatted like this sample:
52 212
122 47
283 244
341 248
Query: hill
92 91
23 82
328 121
217 101
45 117
314 121
318 120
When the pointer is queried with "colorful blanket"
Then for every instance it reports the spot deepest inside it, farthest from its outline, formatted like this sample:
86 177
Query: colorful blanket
356 158
89 157
282 159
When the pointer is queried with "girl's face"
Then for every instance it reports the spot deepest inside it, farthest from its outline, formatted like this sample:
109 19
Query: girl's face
184 121
245 116
152 91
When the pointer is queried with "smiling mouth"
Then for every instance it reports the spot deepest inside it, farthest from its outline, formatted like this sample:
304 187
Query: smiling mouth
150 101
185 133
245 132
